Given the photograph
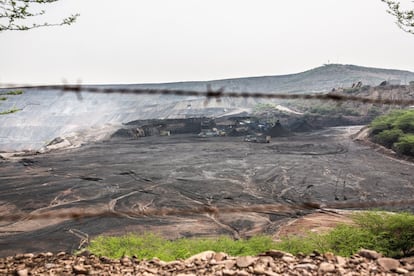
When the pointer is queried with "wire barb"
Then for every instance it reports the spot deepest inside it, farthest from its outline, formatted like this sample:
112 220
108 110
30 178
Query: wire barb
162 212
218 94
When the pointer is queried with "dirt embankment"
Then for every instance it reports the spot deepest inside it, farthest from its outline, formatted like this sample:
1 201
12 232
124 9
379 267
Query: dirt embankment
363 138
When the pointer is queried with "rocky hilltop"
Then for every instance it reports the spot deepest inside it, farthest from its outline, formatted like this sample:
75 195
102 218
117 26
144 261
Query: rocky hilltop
318 79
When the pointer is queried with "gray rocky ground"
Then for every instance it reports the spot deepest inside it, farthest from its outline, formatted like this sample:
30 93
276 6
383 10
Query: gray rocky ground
183 185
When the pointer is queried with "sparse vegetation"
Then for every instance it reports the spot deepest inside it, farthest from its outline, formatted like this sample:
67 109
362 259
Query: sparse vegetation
13 110
12 92
332 110
374 111
343 240
151 245
389 233
393 232
395 131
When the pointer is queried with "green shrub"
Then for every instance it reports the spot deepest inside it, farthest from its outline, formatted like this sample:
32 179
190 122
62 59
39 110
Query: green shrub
297 244
388 137
345 240
384 122
405 121
389 233
405 145
394 232
395 131
3 98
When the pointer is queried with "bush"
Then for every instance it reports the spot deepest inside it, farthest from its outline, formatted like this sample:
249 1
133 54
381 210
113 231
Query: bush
395 131
346 240
343 240
389 233
305 245
384 122
405 121
405 145
388 137
394 232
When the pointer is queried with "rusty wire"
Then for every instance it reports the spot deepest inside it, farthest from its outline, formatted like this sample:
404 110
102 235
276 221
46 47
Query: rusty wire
78 89
152 212
206 209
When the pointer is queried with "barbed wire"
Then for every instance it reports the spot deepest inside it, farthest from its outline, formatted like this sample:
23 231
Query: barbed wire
206 209
219 93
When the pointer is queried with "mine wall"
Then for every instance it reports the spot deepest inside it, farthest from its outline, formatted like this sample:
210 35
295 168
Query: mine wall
204 127
282 126
141 128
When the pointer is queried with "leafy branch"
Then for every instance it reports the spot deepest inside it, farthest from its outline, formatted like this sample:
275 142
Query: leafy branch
405 18
13 13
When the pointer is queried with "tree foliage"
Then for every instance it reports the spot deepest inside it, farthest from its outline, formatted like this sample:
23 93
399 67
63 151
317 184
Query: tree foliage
405 18
15 14
396 131
405 145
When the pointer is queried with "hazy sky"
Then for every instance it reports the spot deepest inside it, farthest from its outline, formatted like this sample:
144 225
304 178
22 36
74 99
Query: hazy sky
137 41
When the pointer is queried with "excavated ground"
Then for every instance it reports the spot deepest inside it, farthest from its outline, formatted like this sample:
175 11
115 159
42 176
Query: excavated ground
184 172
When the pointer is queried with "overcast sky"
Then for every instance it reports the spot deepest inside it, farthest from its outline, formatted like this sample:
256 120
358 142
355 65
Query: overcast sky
139 41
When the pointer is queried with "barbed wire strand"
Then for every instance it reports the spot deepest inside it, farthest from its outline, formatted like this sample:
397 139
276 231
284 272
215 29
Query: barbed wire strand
207 209
331 96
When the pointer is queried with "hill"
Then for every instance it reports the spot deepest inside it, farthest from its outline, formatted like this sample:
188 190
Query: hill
96 115
319 79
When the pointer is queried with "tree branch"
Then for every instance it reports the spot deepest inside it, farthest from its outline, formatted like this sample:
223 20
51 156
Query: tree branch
405 18
13 13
